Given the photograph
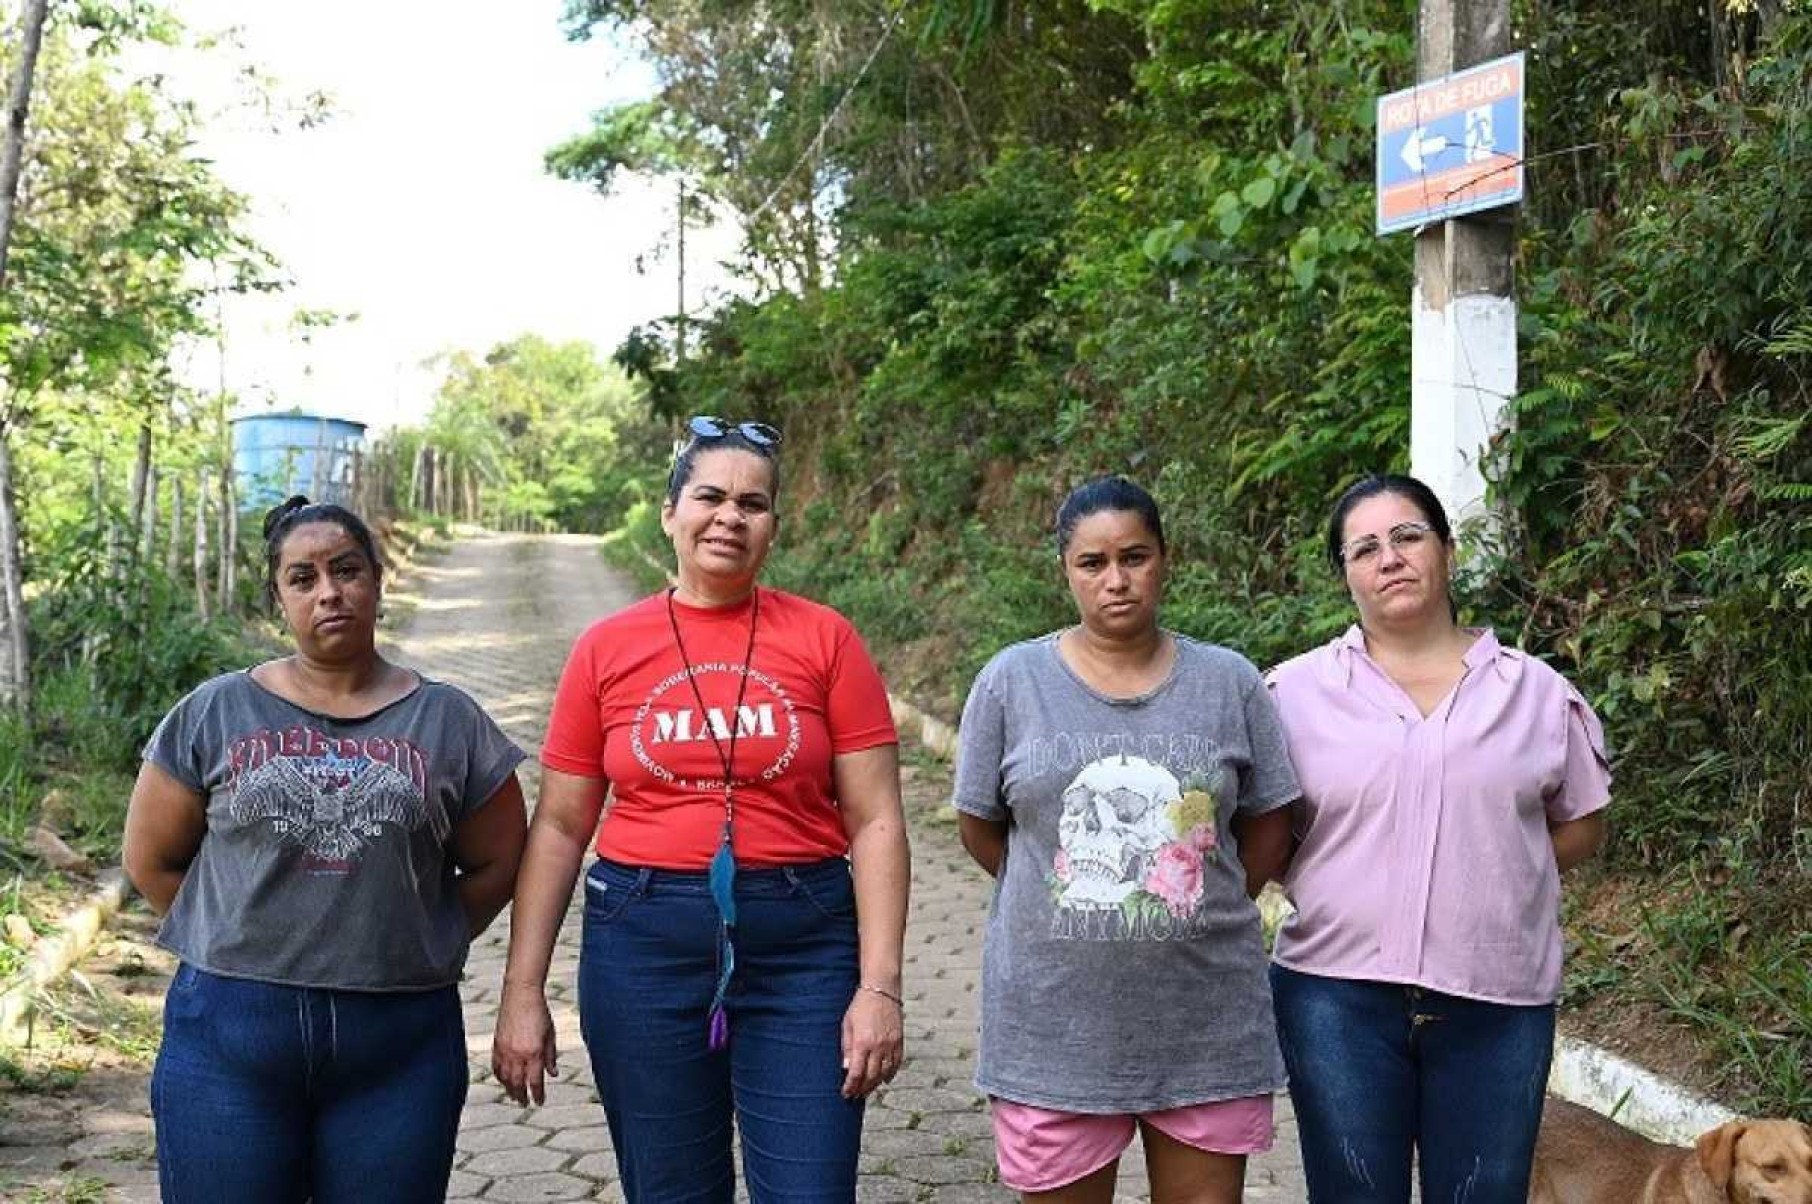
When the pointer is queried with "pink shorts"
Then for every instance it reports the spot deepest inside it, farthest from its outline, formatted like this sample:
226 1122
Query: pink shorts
1041 1150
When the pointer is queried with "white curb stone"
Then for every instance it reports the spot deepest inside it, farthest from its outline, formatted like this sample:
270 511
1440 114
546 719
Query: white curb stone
1636 1098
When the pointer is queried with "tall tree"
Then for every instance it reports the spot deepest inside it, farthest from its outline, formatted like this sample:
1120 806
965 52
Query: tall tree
15 648
645 138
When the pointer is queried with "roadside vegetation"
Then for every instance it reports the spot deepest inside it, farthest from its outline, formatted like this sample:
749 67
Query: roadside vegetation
1004 246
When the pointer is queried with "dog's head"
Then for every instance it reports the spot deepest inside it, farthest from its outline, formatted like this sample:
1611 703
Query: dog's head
1759 1161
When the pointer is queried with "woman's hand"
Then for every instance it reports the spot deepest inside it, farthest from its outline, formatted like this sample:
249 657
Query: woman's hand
983 839
868 791
1265 844
874 1042
523 1054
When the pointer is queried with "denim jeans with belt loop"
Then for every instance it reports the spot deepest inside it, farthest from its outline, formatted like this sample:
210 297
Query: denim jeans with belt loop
646 974
276 1093
1378 1070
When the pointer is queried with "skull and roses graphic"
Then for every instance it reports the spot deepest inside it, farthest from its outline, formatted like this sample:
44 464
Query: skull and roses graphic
1131 838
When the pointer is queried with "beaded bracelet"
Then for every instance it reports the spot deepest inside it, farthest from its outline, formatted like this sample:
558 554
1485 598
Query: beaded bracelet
884 993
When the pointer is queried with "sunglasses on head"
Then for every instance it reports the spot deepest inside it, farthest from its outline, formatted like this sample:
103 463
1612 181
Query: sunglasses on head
704 426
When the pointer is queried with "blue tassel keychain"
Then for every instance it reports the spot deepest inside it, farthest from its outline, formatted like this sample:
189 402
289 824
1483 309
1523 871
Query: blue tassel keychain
722 879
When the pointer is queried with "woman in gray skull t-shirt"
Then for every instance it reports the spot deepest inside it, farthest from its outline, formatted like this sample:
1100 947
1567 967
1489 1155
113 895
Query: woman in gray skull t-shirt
325 832
1128 788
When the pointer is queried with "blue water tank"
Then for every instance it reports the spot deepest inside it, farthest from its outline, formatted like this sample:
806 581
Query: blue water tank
276 455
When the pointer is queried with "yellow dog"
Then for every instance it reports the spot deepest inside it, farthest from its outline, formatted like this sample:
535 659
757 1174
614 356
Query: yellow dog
1583 1158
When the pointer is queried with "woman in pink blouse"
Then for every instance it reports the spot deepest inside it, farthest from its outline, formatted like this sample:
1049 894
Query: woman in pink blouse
1447 783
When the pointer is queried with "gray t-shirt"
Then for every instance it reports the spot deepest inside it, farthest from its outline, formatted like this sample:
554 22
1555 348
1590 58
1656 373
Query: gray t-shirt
1124 969
325 862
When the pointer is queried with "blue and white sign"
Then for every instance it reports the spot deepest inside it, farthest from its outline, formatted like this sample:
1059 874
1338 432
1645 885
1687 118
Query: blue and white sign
1451 146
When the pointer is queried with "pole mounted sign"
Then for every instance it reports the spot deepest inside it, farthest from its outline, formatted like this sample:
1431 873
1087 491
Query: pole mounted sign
1451 146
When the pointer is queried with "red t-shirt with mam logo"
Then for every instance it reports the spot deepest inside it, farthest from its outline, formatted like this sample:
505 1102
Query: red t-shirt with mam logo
626 712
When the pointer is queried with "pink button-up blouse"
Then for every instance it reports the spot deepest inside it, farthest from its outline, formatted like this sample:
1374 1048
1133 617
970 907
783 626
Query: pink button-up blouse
1424 855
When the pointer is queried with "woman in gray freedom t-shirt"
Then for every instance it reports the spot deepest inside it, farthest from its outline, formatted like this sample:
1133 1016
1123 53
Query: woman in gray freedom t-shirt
1128 788
325 833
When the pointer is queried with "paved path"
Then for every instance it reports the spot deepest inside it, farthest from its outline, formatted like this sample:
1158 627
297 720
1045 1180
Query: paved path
496 616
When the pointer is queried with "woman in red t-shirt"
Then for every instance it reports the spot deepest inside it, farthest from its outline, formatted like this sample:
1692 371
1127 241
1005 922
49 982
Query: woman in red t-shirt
745 916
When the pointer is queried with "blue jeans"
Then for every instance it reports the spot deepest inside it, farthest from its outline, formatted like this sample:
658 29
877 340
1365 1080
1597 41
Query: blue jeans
646 974
1377 1069
273 1093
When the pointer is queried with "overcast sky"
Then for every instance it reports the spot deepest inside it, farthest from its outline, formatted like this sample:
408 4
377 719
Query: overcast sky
421 204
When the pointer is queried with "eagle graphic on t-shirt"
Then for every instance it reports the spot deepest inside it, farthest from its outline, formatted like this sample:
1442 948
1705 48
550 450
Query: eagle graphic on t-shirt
333 806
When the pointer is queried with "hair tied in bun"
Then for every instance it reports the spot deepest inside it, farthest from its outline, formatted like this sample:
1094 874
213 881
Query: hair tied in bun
282 510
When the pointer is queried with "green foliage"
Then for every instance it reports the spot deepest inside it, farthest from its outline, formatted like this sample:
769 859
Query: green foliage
1698 953
1178 279
640 137
115 214
129 636
537 435
116 641
80 748
639 546
1661 454
17 799
124 239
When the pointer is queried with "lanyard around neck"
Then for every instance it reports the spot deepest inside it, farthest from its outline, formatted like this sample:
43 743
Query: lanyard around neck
725 758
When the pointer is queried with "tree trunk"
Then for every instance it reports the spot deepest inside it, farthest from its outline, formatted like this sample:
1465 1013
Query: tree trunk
201 545
15 654
12 159
229 531
113 540
141 487
15 651
173 553
320 474
418 478
679 321
147 526
229 544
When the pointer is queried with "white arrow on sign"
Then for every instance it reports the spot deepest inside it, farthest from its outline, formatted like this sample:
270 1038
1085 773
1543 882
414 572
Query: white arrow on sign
1422 146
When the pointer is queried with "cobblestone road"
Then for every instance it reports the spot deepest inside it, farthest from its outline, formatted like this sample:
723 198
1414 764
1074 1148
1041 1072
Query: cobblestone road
496 616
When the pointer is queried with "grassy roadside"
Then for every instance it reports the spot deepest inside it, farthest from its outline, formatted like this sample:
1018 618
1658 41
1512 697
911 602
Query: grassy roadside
68 772
1703 974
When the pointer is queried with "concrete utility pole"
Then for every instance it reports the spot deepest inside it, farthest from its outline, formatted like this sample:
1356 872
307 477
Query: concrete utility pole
1463 340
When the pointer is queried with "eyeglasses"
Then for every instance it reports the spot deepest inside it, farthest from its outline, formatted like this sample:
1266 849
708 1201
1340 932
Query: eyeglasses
1404 538
704 426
